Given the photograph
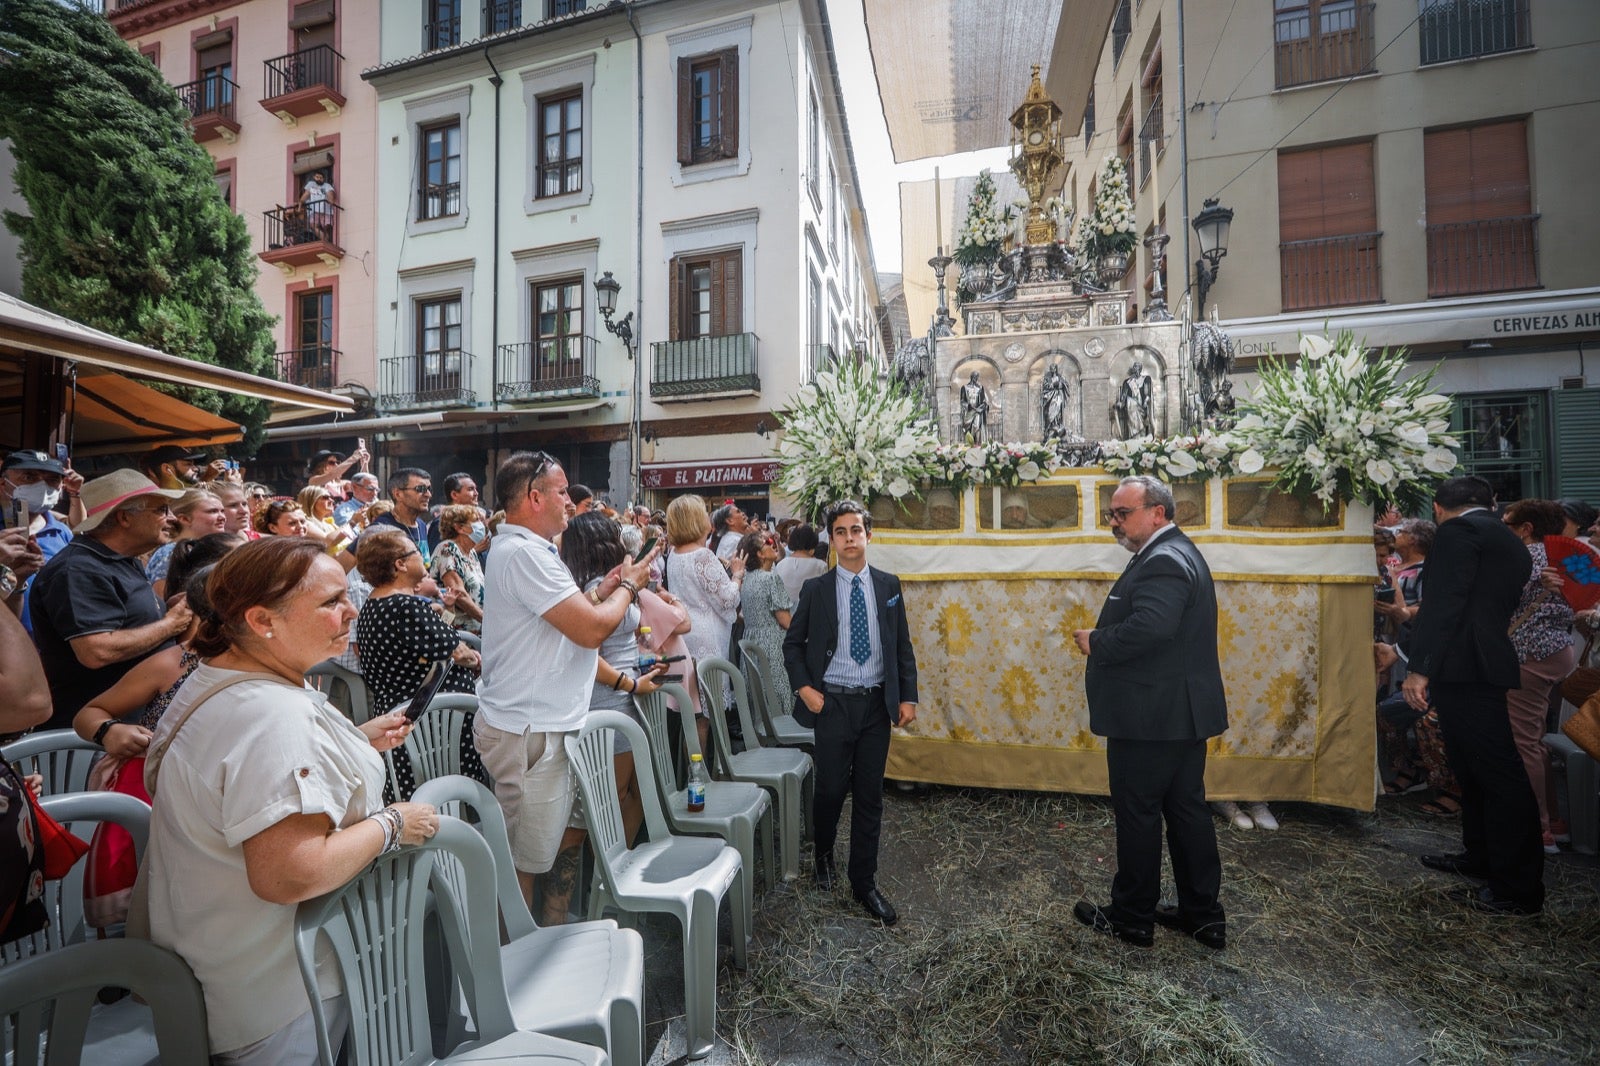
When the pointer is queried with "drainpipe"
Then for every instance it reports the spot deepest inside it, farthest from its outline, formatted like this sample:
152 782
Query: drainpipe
494 269
635 444
1183 151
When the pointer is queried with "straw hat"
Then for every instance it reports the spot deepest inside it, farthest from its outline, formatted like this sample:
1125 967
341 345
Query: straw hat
105 494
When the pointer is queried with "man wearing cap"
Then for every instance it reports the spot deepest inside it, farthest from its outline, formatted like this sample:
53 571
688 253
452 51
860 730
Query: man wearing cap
94 613
40 482
172 467
327 466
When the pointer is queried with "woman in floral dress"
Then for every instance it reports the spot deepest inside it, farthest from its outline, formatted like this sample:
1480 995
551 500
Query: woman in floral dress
765 603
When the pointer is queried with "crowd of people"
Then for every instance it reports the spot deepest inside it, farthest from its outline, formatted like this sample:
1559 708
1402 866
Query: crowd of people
137 598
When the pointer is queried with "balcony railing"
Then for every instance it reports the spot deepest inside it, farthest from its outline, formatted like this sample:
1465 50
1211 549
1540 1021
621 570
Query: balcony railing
209 101
704 366
302 224
501 15
1336 44
548 370
1461 29
432 379
312 68
314 366
1330 271
442 32
1151 138
438 201
1491 255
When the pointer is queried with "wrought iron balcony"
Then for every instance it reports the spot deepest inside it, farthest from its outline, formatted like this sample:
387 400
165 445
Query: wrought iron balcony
1152 136
304 83
315 366
1330 271
501 15
1336 44
438 200
562 368
1461 29
442 32
209 101
1121 30
1491 255
432 379
704 367
301 235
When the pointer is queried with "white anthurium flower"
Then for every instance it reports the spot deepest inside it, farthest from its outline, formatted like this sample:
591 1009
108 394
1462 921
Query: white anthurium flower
1028 471
1439 460
1412 433
898 487
1181 464
1251 461
1381 471
807 395
975 458
1314 346
1316 457
1250 422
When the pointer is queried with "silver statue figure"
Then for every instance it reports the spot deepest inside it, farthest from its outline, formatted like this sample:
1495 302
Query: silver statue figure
974 409
1054 398
1130 414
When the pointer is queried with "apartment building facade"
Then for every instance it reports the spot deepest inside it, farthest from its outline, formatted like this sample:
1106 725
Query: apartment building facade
274 94
691 157
1417 171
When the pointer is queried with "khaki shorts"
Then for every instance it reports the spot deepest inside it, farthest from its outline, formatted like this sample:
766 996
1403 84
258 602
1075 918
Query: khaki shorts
533 782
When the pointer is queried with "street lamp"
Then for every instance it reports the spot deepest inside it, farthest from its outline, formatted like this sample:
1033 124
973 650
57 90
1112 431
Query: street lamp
606 289
1211 224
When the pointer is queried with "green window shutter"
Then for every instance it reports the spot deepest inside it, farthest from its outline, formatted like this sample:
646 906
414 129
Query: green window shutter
1577 438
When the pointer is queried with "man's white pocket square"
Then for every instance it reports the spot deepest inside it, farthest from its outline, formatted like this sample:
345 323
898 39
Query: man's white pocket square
893 600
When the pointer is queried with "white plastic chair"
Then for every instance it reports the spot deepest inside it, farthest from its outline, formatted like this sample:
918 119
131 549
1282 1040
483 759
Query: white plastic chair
1583 795
375 924
345 689
583 981
434 743
785 772
684 876
63 899
62 756
48 1009
734 810
780 730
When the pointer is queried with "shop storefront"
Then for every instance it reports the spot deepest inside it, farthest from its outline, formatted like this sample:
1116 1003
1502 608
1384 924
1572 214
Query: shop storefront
745 482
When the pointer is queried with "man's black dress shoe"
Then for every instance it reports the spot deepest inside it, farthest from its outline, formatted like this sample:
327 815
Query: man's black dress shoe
1482 899
1101 922
1455 863
877 906
826 871
1211 934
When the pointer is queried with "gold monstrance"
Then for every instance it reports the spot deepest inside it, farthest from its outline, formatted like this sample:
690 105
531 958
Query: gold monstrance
1035 154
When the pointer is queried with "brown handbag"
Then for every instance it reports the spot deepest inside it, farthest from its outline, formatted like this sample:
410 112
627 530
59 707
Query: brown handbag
1583 728
1580 685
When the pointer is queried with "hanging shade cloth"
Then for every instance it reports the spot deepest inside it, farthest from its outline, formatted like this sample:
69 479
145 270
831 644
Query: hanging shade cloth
950 72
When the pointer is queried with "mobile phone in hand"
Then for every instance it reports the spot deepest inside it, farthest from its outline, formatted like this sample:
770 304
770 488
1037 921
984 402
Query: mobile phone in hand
432 681
20 516
61 455
649 546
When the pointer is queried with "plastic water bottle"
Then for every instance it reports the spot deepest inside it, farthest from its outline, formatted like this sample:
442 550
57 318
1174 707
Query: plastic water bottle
697 784
647 654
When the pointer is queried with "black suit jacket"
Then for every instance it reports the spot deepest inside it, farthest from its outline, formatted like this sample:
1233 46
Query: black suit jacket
1153 672
814 636
1476 573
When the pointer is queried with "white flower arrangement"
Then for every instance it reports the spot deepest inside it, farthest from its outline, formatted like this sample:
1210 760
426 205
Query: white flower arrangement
987 225
1111 227
1010 464
1341 425
852 435
1206 455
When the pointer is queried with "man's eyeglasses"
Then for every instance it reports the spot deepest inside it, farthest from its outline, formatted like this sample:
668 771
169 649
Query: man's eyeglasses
421 490
1120 514
160 508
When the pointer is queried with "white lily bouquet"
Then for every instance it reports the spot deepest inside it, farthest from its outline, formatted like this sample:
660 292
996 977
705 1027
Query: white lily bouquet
1205 455
852 435
1341 425
1010 464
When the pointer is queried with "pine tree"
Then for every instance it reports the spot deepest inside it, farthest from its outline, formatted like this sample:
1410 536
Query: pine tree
126 230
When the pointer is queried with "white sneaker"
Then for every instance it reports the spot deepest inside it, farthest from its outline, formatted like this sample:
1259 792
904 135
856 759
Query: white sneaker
1230 811
1262 816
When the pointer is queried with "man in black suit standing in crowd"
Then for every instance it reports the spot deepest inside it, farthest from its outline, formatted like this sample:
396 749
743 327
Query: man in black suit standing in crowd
1155 693
1462 662
852 698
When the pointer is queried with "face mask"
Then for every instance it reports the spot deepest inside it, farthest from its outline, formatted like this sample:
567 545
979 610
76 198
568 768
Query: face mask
38 496
479 530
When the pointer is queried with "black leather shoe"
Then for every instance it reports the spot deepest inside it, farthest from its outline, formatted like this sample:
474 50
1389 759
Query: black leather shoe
1455 863
878 906
826 872
1482 899
1101 922
1211 934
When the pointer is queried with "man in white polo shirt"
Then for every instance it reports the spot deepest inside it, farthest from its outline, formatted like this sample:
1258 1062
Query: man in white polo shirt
540 641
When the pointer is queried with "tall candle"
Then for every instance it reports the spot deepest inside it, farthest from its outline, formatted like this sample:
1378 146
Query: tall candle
938 215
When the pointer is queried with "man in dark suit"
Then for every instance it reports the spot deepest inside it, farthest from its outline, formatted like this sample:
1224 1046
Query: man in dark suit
1462 662
853 697
1155 694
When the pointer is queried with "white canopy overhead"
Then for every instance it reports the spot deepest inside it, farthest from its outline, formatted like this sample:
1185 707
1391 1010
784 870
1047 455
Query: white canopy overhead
950 72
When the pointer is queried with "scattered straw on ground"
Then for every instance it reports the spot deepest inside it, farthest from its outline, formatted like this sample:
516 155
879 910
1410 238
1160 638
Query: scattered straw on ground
1332 925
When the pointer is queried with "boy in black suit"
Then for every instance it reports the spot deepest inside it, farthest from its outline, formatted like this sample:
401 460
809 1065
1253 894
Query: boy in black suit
852 698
